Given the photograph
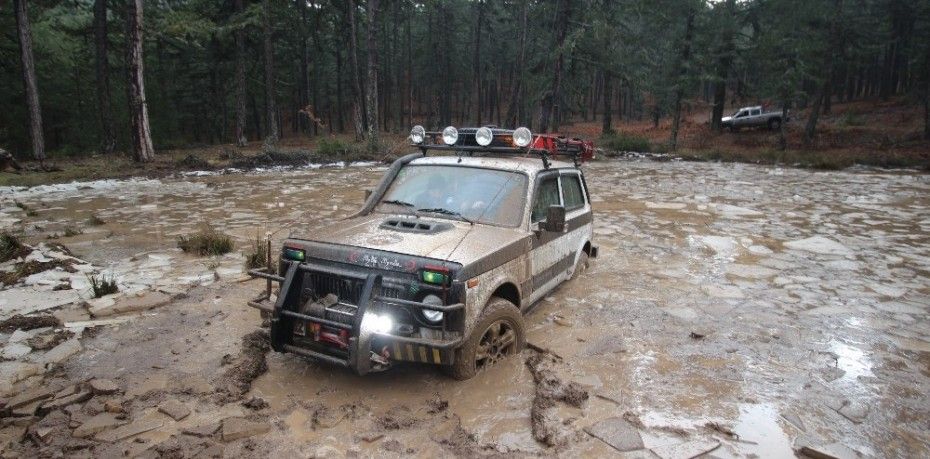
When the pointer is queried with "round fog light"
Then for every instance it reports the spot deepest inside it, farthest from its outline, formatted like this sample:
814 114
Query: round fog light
417 134
522 137
450 135
484 136
429 314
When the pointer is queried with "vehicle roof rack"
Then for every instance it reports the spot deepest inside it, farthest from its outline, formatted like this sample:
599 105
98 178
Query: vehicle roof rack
502 143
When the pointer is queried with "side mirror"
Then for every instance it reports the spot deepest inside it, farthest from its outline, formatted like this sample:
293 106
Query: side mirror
555 219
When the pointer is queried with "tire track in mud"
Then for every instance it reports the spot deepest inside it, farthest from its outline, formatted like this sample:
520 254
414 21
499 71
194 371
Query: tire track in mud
247 367
548 428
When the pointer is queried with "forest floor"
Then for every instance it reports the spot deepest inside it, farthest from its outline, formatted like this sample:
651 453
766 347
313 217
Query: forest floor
869 133
741 310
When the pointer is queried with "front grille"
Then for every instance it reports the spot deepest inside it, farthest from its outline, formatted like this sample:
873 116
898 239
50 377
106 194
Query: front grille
318 285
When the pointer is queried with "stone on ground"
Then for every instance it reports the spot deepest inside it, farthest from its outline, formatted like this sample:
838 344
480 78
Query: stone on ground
97 424
126 304
175 409
618 433
819 245
61 352
686 450
129 430
103 386
238 428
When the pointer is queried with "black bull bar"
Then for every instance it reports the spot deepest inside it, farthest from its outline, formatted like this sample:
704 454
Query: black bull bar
284 313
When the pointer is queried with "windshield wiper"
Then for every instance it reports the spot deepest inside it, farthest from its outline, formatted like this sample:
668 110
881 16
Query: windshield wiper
397 202
440 210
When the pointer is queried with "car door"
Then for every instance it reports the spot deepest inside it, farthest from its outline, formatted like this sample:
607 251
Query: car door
553 255
740 118
543 256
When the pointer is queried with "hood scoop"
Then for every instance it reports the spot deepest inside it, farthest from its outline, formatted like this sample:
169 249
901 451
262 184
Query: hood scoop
409 225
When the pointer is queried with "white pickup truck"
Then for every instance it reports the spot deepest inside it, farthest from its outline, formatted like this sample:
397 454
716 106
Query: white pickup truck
752 117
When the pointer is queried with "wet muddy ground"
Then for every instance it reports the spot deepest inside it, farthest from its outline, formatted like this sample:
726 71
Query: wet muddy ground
734 310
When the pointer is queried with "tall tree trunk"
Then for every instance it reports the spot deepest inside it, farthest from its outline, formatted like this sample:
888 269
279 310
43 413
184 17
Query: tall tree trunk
552 100
723 65
829 63
681 74
476 62
29 80
607 125
101 39
358 104
371 99
241 139
270 110
142 148
519 74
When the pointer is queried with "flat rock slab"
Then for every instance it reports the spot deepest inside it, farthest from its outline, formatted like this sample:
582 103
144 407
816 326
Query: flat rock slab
61 352
29 300
14 372
62 402
14 351
97 424
175 409
103 386
238 428
30 396
618 433
126 304
819 245
831 451
686 450
129 430
203 430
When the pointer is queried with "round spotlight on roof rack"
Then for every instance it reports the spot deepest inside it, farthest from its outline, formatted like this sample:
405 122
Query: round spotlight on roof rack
484 136
450 135
522 137
417 134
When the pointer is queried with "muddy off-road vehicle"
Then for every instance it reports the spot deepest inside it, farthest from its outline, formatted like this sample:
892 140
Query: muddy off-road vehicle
442 259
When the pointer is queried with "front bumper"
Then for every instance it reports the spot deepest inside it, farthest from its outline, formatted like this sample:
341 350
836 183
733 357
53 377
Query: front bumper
367 349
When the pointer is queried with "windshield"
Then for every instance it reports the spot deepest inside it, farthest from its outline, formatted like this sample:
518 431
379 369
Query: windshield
468 193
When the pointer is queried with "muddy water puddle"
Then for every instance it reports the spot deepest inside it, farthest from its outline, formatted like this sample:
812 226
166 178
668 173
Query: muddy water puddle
787 307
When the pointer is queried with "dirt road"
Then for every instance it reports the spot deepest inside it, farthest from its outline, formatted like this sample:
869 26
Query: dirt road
734 309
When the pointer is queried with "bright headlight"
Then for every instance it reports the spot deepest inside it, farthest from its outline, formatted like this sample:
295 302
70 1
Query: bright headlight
417 134
450 135
430 315
484 136
522 137
378 323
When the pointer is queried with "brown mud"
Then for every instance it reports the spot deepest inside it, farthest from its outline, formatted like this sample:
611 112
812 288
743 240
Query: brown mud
748 311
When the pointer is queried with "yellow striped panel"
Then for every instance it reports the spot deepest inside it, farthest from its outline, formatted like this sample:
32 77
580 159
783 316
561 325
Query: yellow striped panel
410 353
423 354
397 354
436 357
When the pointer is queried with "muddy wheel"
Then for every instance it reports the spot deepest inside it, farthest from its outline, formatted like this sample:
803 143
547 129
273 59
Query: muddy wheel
581 266
774 124
498 334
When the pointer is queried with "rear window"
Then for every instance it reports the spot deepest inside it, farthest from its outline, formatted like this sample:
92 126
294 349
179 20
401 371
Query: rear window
571 192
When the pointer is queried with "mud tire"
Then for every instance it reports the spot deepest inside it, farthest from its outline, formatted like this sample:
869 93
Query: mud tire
581 266
774 124
497 310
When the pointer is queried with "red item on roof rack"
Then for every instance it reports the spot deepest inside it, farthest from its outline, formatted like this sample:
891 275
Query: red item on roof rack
561 145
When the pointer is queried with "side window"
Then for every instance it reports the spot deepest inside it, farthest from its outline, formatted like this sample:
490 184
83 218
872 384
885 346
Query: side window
756 112
546 195
571 191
